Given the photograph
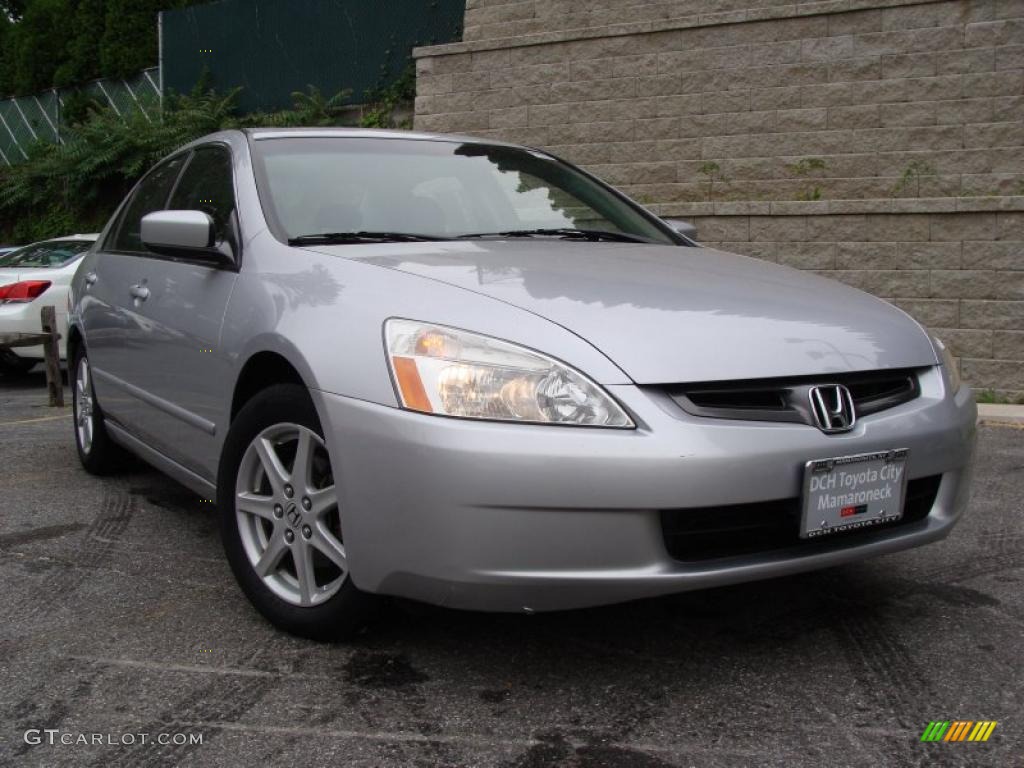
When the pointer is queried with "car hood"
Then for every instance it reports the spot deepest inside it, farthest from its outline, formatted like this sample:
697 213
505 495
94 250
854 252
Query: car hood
666 314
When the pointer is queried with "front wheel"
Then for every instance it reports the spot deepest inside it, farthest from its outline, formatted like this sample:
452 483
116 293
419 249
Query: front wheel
280 521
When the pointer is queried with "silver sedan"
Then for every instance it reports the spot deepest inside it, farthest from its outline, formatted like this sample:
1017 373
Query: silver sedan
471 374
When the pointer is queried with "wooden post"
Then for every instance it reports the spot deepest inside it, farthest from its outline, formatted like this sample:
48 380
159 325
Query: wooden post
51 353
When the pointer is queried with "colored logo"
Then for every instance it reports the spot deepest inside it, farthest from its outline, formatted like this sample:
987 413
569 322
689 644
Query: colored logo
958 730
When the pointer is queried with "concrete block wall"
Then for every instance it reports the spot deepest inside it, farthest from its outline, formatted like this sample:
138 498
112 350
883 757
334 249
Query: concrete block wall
881 141
959 272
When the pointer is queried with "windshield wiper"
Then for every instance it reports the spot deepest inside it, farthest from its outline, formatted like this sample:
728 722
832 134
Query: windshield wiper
340 238
566 233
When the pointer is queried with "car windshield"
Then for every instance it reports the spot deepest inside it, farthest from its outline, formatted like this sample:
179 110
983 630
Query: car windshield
351 190
43 255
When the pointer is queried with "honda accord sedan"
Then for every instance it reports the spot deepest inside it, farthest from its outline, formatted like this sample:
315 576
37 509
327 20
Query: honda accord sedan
469 373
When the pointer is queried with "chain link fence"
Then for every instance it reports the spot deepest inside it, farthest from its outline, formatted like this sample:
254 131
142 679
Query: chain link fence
43 116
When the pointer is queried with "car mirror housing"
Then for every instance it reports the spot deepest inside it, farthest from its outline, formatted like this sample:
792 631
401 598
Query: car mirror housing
684 228
185 235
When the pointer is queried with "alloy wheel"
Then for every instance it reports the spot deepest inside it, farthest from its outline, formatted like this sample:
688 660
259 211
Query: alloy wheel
286 509
84 419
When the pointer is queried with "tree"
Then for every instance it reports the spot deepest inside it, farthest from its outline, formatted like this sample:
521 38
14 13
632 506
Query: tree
12 9
47 43
82 52
129 41
39 41
7 57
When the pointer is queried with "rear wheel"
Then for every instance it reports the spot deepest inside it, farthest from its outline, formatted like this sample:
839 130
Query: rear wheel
280 520
97 452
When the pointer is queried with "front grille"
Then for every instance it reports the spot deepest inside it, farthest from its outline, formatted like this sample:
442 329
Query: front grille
709 533
787 399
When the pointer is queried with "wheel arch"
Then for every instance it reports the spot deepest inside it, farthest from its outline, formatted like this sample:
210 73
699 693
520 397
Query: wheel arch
263 369
74 341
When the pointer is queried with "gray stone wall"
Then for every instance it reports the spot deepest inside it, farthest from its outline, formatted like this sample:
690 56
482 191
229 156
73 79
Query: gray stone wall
880 142
960 272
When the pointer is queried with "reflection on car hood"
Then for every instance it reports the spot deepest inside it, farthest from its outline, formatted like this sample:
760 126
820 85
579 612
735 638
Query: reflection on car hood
666 314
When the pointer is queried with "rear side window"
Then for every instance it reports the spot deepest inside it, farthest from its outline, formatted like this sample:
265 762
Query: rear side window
151 195
208 185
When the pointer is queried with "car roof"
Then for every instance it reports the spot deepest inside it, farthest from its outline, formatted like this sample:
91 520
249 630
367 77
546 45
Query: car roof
365 133
269 132
361 133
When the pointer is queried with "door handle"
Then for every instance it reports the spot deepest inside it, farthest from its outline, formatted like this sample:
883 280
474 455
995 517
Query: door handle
90 279
139 292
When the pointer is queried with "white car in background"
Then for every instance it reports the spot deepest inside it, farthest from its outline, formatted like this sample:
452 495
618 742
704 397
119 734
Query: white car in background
32 277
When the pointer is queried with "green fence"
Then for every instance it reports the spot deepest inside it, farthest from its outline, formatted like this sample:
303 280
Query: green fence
269 47
42 117
274 47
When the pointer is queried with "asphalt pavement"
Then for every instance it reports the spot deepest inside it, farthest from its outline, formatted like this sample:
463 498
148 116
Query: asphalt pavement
121 626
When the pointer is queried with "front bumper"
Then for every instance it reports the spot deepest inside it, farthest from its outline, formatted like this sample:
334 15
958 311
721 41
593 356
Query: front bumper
511 517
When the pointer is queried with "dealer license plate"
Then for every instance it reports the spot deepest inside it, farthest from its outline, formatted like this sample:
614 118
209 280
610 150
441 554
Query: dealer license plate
853 492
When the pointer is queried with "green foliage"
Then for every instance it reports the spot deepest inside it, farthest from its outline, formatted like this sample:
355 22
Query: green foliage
310 107
76 107
806 166
13 9
911 177
991 397
56 43
382 104
81 61
813 193
711 171
37 44
76 187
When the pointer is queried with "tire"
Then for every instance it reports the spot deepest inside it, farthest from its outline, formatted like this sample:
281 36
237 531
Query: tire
98 453
277 516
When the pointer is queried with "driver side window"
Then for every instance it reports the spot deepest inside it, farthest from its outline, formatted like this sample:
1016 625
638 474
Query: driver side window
208 185
151 195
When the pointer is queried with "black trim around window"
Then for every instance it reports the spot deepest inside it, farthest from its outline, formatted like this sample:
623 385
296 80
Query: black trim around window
235 222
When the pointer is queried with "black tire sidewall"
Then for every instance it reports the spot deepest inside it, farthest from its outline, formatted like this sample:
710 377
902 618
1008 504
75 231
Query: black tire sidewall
346 611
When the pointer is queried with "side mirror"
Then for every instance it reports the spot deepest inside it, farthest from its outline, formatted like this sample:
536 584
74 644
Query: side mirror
684 228
184 235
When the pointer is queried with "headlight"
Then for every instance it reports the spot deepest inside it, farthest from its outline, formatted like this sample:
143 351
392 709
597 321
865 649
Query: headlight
457 373
948 363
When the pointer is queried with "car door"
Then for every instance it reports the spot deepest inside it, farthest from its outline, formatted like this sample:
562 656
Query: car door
180 368
115 331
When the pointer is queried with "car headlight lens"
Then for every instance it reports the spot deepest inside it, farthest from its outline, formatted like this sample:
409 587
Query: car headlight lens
948 363
452 372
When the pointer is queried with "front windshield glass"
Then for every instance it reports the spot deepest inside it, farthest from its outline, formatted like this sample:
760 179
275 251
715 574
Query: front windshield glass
437 189
42 255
